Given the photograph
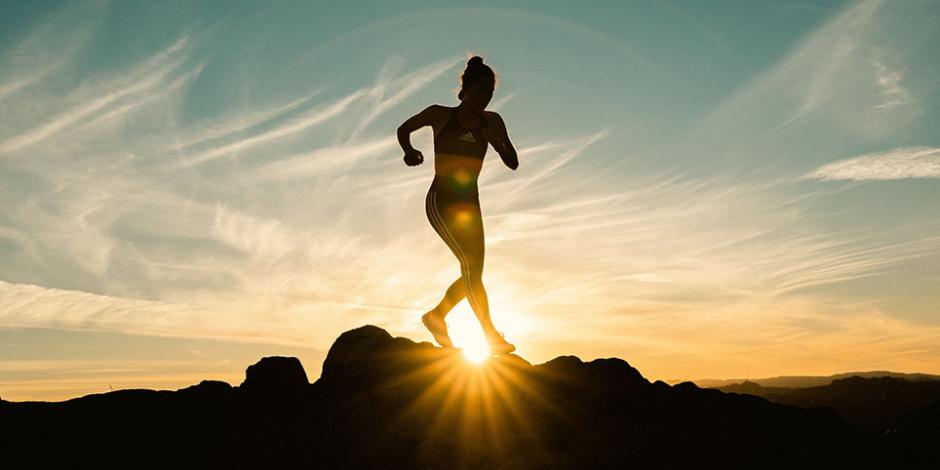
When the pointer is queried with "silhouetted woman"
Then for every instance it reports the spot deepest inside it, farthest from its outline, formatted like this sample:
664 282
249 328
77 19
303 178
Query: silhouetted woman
461 135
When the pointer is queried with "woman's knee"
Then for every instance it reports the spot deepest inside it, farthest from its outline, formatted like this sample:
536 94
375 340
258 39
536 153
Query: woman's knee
474 271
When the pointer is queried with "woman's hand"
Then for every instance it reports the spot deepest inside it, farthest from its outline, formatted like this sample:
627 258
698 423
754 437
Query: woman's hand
413 157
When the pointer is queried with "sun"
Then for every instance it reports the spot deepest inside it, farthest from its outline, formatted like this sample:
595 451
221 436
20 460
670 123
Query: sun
467 335
476 352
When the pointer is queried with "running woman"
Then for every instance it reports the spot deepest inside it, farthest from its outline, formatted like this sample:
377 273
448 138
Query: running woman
461 137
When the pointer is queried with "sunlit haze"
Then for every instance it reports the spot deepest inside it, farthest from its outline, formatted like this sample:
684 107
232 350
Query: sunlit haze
705 189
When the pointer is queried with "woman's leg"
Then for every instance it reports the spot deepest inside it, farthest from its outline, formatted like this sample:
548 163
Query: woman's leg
455 293
463 233
473 279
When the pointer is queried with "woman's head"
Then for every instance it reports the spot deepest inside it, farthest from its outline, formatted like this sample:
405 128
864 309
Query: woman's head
478 82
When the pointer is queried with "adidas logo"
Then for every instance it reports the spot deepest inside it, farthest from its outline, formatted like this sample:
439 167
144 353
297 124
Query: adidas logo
468 137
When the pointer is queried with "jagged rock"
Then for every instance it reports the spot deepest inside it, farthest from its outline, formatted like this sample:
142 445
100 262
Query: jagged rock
275 373
353 349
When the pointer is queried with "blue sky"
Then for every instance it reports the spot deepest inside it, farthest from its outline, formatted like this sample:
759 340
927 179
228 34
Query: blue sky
705 189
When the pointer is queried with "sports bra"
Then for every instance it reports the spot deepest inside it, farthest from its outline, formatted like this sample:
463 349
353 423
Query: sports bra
458 140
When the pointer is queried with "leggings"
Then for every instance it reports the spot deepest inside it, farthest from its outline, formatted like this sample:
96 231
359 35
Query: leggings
457 219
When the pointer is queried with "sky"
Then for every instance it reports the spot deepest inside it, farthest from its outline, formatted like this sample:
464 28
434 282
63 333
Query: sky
705 189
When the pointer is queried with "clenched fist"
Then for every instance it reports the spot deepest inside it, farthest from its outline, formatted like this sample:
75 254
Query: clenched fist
414 157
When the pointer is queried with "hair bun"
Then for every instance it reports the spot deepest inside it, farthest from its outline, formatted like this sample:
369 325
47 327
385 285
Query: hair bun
475 61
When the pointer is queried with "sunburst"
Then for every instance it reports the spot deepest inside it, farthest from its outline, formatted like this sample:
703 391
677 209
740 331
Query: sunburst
476 353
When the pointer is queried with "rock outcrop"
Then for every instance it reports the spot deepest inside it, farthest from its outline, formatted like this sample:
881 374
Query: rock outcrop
387 402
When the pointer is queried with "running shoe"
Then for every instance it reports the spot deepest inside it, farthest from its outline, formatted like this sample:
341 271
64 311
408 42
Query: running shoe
438 329
499 345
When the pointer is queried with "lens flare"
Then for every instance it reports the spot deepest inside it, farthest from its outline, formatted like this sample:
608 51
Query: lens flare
464 217
463 177
476 353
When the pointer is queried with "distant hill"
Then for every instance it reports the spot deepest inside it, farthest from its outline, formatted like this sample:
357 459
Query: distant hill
871 403
384 402
801 381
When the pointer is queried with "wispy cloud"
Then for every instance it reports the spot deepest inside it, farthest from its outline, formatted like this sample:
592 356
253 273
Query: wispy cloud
146 76
405 86
322 161
900 163
548 167
890 82
227 126
48 48
846 76
288 129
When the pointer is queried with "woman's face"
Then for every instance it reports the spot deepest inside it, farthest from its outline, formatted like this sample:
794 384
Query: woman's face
479 94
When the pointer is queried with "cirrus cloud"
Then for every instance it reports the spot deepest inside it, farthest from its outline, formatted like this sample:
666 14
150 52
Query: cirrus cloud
899 163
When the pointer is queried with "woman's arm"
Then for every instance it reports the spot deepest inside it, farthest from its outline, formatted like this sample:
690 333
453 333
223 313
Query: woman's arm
424 118
501 142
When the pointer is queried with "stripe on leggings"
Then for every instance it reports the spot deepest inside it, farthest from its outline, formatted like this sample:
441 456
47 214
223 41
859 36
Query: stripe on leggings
465 264
452 241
